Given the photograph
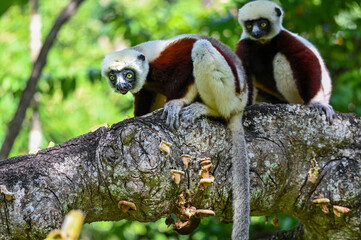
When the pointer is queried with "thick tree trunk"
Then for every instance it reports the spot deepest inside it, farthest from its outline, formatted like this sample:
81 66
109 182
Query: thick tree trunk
295 158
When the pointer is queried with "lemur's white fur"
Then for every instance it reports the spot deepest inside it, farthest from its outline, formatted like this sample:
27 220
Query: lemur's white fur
152 49
215 81
260 9
284 79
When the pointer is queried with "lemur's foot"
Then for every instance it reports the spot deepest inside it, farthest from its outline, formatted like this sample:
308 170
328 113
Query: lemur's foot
330 113
171 113
193 111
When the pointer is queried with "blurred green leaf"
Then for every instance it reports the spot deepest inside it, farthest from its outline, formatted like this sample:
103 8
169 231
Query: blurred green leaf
5 5
68 85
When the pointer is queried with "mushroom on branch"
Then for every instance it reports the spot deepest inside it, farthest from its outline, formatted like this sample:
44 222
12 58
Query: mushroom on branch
181 200
165 147
190 211
186 159
176 176
126 205
206 167
206 182
205 213
51 144
339 210
8 195
93 129
322 202
206 177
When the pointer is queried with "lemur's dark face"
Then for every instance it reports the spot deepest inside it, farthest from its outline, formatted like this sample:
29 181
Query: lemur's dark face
258 28
123 80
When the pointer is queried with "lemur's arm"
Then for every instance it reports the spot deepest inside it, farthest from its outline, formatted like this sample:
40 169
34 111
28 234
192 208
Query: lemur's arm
146 101
312 78
143 102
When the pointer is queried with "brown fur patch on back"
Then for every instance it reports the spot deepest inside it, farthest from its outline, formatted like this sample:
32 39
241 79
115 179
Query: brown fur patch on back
172 72
304 63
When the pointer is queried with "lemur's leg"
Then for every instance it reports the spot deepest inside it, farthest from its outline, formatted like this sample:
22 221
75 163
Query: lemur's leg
196 110
215 84
144 101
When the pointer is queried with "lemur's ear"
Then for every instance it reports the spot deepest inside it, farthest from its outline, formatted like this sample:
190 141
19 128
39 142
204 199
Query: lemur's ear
278 12
141 57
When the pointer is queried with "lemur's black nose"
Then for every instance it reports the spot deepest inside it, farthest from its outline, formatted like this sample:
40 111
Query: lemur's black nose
257 34
123 87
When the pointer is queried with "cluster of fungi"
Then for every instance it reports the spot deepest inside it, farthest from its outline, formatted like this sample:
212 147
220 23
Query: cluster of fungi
187 217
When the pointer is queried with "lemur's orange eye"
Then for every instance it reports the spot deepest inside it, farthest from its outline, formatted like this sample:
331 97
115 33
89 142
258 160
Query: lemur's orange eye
249 26
129 75
263 25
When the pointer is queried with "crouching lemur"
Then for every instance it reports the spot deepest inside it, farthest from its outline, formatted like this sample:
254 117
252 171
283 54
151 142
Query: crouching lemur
196 76
282 64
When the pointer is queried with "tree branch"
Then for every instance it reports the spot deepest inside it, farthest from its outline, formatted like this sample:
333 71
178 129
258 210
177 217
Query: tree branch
295 157
29 91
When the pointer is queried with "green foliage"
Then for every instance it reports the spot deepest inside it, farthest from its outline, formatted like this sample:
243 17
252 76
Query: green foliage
4 5
210 228
73 97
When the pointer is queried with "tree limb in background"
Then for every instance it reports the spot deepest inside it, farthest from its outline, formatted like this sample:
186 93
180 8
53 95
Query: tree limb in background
300 165
35 134
29 91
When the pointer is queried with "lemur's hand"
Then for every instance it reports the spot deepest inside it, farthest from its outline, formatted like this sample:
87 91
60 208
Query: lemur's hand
171 113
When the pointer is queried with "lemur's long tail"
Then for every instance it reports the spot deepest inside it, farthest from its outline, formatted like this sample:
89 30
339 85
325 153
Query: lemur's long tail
240 181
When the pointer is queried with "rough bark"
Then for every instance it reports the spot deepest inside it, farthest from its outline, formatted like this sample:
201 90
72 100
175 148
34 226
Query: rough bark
93 172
